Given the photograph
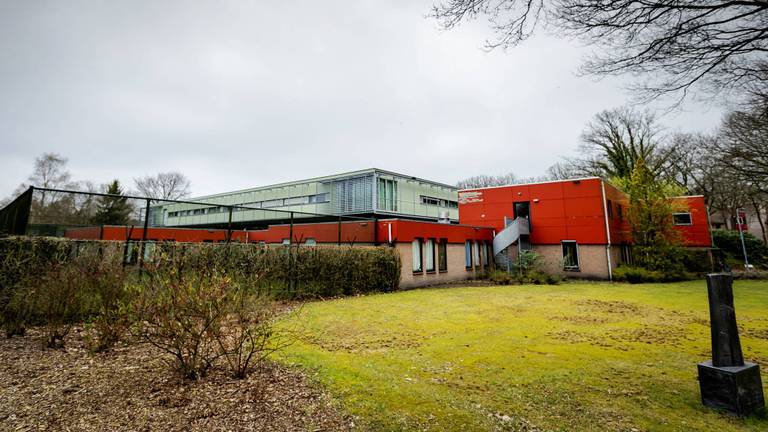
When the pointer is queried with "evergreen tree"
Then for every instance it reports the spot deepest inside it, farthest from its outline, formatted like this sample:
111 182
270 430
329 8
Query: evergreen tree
113 210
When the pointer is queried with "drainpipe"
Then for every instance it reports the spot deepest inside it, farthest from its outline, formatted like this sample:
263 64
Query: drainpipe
607 233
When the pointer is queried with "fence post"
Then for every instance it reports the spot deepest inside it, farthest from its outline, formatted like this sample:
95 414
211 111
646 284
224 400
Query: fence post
144 234
229 225
291 266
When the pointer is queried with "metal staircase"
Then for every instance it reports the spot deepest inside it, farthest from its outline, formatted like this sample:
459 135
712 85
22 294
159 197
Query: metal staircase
517 231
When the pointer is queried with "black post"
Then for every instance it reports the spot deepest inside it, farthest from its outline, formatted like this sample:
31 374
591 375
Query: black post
291 265
229 225
726 347
339 230
728 382
144 234
290 233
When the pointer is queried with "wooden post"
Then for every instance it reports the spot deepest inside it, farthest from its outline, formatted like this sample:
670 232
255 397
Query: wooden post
726 347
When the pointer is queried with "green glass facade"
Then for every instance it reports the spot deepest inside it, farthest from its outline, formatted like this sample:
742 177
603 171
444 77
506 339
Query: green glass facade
367 193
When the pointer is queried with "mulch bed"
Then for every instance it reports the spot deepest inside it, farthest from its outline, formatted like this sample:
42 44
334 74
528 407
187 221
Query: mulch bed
133 388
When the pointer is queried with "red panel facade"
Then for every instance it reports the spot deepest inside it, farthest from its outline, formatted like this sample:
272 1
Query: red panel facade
408 230
561 210
697 234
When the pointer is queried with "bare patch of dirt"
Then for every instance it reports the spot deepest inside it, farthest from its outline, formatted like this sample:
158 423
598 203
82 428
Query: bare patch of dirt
132 388
583 319
613 307
655 335
365 341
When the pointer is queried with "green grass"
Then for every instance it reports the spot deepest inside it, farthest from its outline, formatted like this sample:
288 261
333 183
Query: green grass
580 356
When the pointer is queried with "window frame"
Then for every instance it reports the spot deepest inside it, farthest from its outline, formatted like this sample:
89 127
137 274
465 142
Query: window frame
442 255
577 267
690 218
417 244
468 264
430 244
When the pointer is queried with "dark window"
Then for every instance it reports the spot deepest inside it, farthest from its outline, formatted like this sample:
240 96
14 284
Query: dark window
442 255
468 254
619 212
609 207
682 218
570 255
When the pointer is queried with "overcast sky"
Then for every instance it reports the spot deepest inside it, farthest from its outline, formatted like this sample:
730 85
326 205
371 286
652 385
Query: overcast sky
241 94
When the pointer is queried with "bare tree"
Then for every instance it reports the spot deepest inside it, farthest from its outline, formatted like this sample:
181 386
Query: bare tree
483 180
50 171
614 141
744 145
169 186
719 45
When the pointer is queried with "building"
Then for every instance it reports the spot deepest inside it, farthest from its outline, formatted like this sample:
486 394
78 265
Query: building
431 252
370 193
578 226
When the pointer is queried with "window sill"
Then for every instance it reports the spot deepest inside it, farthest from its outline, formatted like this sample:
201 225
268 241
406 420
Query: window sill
430 272
572 270
443 271
418 273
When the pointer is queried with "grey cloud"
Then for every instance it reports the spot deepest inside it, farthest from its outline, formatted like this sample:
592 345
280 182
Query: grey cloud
238 94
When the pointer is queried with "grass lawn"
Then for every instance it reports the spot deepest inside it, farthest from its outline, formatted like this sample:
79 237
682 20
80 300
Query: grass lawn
578 356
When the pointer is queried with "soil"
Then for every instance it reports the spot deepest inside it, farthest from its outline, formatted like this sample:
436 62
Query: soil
133 388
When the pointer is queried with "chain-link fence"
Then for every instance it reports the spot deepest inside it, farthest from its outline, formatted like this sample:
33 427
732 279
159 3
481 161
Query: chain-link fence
103 216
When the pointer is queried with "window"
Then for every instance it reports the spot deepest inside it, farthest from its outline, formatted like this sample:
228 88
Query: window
570 255
476 253
286 242
682 218
319 198
468 254
387 195
619 212
296 200
430 255
427 200
272 203
609 207
416 250
442 255
484 254
311 242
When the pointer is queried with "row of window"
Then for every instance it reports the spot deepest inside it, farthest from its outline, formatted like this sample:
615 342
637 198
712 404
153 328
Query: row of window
282 202
428 200
424 255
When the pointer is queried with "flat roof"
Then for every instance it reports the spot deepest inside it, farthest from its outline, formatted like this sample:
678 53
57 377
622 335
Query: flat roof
349 174
533 183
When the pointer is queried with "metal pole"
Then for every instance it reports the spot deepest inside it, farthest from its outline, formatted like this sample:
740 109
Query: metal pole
290 233
144 233
741 235
229 225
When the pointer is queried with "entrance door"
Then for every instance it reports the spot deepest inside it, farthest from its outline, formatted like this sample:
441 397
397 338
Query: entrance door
522 210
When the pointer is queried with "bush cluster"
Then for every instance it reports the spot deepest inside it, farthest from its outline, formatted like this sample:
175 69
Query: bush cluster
198 302
729 242
528 270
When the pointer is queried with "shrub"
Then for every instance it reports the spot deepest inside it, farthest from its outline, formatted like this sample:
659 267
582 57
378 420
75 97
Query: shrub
729 242
181 314
636 275
248 333
292 272
527 270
